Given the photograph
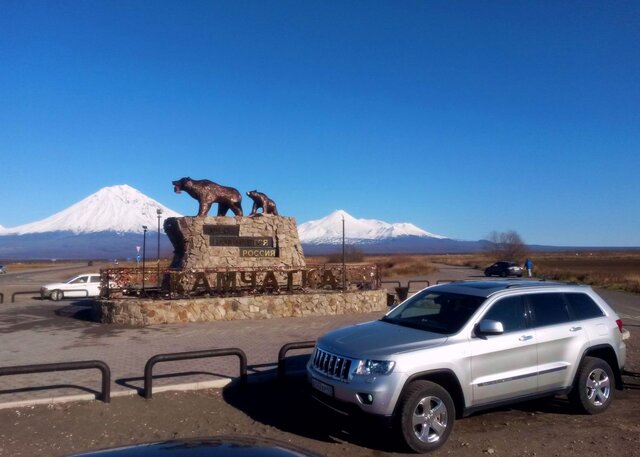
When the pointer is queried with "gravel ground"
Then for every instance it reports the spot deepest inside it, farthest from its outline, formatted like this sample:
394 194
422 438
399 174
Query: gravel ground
285 413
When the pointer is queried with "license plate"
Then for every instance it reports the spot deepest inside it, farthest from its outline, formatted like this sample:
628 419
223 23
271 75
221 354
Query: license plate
322 387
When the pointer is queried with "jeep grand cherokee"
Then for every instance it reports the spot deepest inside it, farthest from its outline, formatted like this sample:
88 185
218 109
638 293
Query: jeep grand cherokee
453 349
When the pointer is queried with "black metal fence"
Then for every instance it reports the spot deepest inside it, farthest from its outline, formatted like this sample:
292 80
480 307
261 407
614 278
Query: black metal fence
28 292
105 394
288 347
418 281
148 368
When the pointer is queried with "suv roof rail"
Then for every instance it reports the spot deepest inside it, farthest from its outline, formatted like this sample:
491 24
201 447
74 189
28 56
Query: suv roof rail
569 283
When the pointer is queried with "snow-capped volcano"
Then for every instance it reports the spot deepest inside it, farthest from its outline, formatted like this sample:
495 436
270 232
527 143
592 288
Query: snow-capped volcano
328 230
121 209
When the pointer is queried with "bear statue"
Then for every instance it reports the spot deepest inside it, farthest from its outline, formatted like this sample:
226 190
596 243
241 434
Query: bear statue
260 200
207 193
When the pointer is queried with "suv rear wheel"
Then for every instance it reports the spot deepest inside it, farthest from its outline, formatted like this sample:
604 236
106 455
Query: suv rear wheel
426 416
592 392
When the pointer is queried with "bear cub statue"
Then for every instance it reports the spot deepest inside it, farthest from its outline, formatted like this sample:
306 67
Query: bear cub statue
260 200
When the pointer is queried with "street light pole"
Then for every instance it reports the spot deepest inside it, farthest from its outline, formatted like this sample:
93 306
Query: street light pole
144 252
159 212
344 267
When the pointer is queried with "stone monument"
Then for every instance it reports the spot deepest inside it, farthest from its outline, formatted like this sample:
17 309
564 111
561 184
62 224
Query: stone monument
235 267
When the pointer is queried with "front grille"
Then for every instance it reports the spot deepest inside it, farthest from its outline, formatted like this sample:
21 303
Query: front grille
332 365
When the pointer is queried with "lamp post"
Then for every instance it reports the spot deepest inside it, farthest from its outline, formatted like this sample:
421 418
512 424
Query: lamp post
144 252
159 212
344 266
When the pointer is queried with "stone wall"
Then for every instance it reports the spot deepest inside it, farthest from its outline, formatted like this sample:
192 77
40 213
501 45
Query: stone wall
149 312
193 249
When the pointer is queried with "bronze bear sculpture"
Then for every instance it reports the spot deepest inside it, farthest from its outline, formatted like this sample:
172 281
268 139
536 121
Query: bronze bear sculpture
207 193
260 200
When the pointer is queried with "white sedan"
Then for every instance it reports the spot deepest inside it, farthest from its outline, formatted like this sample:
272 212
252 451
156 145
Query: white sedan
85 285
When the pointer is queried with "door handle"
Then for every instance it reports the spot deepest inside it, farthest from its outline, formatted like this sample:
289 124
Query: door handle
525 338
575 329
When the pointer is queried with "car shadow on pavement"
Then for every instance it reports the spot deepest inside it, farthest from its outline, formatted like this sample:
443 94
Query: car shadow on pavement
288 406
81 310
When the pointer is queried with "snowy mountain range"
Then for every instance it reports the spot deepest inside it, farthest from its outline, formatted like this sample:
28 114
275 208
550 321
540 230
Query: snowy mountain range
108 224
328 230
120 209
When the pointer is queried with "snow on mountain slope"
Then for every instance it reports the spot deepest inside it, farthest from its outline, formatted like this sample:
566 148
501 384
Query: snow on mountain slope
120 209
329 230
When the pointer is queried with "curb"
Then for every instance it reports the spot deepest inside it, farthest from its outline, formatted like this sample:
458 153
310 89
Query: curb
184 387
215 384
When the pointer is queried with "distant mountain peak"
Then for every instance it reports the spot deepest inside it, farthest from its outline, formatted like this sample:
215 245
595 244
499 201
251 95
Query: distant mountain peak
328 230
119 208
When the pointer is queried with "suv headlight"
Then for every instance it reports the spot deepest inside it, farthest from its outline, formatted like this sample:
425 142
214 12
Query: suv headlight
373 367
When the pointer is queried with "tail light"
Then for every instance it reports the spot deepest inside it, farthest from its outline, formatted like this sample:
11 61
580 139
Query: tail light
619 323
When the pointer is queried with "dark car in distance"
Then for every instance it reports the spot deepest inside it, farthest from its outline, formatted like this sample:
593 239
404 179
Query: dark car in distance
504 269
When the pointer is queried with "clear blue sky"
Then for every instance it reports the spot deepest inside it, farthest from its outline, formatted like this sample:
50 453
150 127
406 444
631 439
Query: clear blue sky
462 117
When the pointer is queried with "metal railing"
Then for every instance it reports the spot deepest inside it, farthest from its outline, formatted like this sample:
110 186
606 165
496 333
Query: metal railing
148 368
415 281
27 292
105 394
397 283
288 347
240 281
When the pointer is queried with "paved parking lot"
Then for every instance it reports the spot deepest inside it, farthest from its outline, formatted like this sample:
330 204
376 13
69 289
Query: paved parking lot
34 331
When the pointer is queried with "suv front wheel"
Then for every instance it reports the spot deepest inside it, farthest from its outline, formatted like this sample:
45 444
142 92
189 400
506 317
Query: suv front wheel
426 416
592 392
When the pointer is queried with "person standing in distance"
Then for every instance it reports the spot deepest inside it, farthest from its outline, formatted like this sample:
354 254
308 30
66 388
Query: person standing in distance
528 264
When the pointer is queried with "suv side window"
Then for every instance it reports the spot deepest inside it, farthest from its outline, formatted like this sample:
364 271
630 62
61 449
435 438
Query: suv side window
548 309
509 311
95 279
582 306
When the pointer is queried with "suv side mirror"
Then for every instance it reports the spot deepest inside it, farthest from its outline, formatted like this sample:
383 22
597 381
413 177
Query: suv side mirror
489 327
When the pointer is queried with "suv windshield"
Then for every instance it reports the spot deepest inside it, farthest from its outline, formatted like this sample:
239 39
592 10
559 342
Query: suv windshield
438 312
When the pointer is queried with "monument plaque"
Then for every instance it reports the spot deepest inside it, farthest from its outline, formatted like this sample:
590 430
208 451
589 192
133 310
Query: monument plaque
258 252
221 230
241 241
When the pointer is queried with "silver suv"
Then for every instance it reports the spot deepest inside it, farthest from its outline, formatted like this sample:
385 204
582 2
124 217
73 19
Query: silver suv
456 348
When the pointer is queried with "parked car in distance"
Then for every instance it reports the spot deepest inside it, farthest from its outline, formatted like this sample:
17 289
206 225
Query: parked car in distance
2 270
82 286
457 348
504 269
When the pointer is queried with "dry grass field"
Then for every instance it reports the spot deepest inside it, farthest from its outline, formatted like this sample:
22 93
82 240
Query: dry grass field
611 269
393 266
16 266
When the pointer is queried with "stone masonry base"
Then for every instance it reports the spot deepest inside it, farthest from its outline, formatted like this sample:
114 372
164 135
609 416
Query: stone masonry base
140 312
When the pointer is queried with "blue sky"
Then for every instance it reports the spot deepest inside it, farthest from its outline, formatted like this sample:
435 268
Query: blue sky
462 117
